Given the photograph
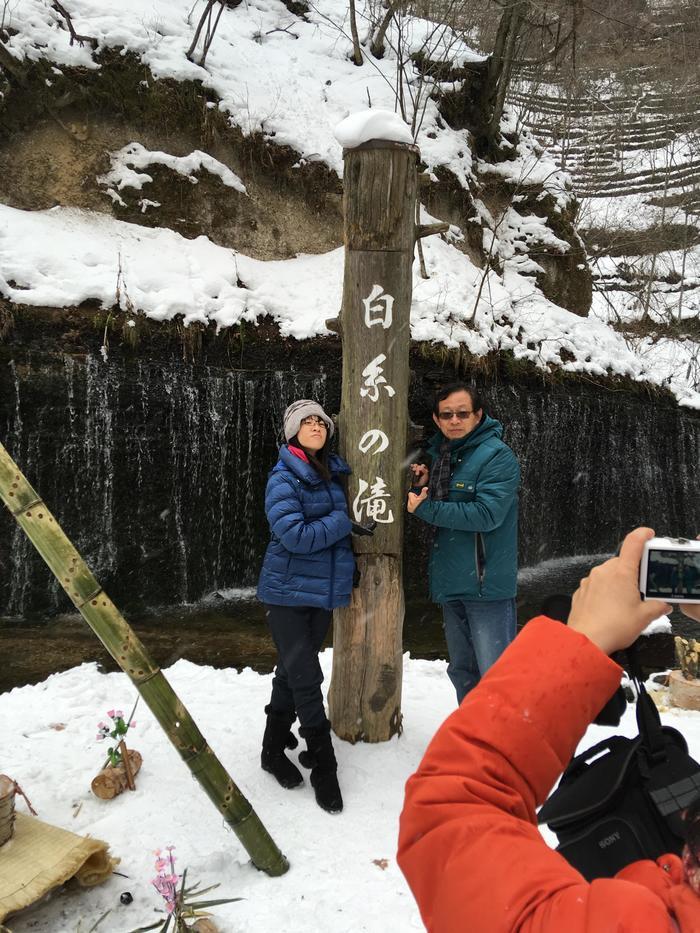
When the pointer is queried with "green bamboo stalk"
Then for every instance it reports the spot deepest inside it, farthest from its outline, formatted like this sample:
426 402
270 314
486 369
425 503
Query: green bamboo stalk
121 641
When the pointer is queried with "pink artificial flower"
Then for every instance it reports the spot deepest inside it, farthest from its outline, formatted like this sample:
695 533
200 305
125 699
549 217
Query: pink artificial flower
119 714
110 713
132 724
100 737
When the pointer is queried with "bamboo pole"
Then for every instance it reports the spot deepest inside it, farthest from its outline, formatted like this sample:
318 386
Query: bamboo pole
121 641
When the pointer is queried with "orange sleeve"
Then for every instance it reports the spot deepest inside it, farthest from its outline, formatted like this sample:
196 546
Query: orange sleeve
468 842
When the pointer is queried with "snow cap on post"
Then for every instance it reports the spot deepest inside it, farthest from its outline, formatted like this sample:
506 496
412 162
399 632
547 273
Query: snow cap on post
360 127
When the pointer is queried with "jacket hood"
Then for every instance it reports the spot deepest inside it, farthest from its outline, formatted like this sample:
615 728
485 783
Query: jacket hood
488 427
304 471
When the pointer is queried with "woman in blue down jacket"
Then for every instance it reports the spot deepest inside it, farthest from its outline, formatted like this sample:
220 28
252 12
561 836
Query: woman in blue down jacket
307 572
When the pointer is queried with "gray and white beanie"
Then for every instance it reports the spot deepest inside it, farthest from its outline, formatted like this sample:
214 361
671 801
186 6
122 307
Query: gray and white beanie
297 411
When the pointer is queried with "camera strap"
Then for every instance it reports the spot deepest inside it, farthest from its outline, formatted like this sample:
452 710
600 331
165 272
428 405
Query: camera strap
648 719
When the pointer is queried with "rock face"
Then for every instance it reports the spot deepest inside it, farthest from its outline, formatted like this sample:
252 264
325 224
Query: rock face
56 137
156 467
52 153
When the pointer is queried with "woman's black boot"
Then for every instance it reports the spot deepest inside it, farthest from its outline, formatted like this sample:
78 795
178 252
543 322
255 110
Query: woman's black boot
276 738
324 770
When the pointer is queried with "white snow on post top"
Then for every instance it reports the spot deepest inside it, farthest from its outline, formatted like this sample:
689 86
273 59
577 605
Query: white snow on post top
360 127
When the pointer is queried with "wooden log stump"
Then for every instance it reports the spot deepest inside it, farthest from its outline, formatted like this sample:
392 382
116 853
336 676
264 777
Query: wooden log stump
111 781
8 789
683 693
204 925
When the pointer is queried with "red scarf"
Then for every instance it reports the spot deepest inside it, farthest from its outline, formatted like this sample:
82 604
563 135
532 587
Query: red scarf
298 452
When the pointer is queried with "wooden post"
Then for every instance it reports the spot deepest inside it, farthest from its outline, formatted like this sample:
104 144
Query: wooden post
380 191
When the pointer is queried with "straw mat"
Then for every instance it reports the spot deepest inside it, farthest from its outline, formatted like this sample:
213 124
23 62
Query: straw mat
40 857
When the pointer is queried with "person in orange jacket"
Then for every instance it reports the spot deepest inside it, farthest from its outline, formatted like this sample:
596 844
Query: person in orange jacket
469 845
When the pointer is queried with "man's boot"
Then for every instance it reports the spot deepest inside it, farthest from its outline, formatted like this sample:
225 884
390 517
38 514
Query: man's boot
324 768
276 738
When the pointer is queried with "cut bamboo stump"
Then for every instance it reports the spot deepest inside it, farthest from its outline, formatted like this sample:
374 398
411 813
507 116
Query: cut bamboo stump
8 789
683 693
112 781
688 656
684 684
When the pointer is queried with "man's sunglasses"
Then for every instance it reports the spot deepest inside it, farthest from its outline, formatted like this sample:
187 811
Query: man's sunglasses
449 415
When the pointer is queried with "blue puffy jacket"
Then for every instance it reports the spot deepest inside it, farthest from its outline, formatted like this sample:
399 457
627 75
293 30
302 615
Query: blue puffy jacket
309 560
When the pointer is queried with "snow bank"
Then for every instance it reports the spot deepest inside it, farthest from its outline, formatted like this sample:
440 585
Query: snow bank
63 256
343 875
291 79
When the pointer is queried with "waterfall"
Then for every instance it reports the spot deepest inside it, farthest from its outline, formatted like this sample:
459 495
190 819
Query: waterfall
157 469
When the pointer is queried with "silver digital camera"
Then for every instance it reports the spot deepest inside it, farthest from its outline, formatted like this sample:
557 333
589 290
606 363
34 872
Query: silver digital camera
670 570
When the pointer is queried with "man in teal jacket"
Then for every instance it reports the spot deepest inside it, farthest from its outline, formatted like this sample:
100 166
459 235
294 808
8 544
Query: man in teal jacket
470 497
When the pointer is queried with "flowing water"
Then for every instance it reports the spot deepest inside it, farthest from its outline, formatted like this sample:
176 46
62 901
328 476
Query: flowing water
157 469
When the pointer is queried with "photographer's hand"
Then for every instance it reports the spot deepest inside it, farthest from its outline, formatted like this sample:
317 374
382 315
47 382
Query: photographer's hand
690 609
607 607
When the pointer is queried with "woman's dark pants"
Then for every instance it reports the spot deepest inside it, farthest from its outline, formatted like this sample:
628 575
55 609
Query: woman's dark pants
298 633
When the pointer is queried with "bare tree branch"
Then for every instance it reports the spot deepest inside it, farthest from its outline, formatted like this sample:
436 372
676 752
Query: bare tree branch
74 36
211 27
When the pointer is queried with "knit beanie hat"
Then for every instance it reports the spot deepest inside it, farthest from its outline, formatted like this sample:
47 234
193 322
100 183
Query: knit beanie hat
297 411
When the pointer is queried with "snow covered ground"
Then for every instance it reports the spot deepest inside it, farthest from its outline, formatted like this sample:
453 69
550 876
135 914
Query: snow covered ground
344 877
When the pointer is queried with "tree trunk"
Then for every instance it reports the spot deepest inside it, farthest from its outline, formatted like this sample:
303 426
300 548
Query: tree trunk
483 111
379 199
377 44
356 50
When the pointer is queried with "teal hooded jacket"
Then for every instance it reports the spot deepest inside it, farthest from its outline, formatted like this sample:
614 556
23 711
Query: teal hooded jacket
475 550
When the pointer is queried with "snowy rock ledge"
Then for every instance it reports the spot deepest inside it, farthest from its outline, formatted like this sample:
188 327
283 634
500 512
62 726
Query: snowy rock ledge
63 256
128 159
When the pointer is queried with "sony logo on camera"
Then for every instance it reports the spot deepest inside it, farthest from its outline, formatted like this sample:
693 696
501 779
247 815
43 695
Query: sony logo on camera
609 840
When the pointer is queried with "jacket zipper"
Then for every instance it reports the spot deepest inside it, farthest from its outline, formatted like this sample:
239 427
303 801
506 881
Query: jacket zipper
480 559
332 578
